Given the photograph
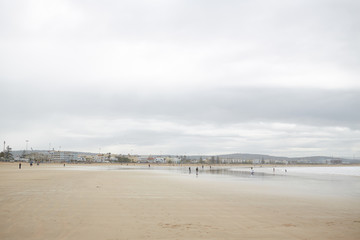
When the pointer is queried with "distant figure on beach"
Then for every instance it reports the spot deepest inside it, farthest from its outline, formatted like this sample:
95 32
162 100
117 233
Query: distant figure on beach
149 165
19 165
273 169
210 166
197 171
252 171
285 170
202 166
64 164
189 170
30 164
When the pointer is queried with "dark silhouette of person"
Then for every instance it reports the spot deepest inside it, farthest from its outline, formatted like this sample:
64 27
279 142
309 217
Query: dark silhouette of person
19 165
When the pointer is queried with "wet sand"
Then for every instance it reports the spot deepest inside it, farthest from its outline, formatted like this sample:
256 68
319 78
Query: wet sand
53 202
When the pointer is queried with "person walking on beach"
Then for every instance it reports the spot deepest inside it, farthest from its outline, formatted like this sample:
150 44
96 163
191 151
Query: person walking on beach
189 170
19 165
197 171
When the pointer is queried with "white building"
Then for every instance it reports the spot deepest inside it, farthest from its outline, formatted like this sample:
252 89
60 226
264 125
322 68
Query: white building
62 156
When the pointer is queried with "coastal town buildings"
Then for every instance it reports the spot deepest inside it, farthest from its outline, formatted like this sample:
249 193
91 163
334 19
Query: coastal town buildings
64 156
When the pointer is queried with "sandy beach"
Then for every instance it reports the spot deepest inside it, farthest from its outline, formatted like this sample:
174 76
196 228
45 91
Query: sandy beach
56 202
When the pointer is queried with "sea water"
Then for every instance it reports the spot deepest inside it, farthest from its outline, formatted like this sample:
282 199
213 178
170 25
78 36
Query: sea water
328 181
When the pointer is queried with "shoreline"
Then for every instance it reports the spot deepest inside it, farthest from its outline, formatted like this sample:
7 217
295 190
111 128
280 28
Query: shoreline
188 164
53 202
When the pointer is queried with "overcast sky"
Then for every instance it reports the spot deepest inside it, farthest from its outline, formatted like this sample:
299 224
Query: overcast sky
181 77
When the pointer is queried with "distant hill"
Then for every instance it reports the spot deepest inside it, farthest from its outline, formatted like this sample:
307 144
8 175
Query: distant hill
313 159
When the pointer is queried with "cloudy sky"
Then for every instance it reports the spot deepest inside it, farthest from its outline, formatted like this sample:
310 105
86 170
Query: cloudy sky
181 77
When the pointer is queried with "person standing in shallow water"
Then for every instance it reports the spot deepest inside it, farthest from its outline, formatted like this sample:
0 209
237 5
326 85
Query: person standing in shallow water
189 170
197 171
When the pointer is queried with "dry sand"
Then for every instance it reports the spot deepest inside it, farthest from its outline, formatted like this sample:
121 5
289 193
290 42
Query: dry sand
53 202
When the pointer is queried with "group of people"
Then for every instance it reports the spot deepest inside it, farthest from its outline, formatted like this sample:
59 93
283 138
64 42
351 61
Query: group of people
197 169
31 163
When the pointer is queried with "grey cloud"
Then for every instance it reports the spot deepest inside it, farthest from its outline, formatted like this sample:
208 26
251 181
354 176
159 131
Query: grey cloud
203 63
232 106
207 105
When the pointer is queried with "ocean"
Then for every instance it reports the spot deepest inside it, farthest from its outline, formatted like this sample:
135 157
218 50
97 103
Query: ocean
328 181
